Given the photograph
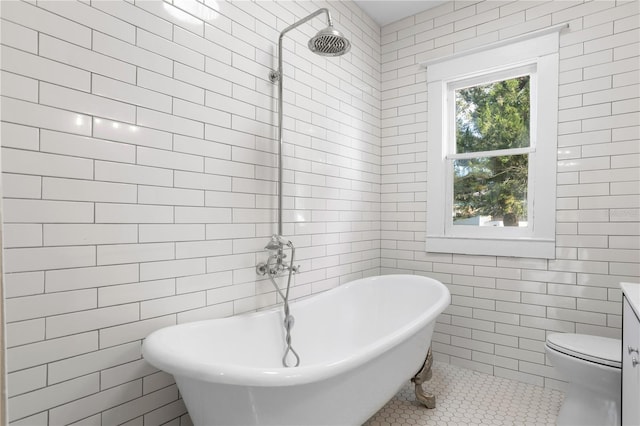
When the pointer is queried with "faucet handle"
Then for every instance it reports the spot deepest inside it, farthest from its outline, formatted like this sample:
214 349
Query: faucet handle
261 269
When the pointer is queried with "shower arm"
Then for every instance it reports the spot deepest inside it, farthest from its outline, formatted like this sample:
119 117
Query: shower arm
277 76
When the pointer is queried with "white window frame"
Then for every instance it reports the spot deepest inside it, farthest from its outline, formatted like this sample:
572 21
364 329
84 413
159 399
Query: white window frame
535 54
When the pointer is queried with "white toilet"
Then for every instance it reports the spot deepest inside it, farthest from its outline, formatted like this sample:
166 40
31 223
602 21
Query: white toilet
591 365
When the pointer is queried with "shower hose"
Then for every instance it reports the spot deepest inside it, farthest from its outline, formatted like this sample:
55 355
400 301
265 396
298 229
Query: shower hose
288 318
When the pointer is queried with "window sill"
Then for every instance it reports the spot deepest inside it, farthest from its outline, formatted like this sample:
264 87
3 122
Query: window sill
507 247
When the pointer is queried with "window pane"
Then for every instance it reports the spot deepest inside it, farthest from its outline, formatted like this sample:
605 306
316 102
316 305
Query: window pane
491 191
493 116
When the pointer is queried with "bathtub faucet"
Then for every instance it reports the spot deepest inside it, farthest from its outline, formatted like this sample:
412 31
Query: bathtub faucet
276 263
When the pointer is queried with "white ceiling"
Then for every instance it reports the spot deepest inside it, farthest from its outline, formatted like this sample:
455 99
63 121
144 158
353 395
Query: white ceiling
387 11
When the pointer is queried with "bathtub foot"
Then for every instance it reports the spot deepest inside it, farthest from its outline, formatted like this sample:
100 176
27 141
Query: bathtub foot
425 398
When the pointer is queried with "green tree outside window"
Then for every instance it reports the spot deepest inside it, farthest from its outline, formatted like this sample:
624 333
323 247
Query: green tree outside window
492 117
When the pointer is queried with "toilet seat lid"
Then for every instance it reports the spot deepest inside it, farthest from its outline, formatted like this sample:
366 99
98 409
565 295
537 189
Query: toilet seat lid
601 350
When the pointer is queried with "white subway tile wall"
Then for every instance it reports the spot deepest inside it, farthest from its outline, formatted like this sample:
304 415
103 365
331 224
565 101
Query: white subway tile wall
139 166
139 179
503 308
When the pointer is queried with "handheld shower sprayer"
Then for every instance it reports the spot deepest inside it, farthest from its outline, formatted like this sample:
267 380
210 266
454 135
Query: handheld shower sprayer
276 243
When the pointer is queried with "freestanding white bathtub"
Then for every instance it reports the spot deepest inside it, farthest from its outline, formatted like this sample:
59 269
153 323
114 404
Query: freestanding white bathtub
358 344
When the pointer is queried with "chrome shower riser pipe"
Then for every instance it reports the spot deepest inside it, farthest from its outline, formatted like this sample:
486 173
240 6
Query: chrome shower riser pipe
278 76
327 42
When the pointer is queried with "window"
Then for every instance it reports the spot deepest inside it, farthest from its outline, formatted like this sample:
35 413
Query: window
492 141
488 158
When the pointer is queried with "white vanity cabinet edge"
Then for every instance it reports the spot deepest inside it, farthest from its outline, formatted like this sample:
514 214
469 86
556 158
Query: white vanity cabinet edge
630 366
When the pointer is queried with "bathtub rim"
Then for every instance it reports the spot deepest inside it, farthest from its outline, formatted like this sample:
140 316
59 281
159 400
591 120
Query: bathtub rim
232 374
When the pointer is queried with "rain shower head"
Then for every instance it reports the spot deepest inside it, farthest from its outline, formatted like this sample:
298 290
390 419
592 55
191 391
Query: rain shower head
329 42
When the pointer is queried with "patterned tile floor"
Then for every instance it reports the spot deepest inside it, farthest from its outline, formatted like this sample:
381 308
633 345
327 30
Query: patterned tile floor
466 397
